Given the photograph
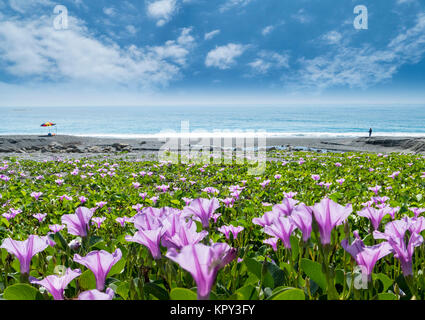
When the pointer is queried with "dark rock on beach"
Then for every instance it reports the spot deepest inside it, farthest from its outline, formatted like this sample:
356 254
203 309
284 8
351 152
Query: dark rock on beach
44 146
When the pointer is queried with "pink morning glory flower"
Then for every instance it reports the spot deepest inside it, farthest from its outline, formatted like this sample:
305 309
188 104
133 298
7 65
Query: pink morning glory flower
97 221
328 215
25 250
366 257
286 207
374 215
226 230
163 188
375 189
340 181
97 295
403 249
187 201
100 263
36 195
179 233
290 195
272 242
82 199
381 200
40 216
202 210
267 218
210 190
315 177
56 228
302 218
215 217
265 183
394 174
78 223
65 197
228 202
154 199
56 284
203 263
417 211
150 239
101 204
281 228
122 220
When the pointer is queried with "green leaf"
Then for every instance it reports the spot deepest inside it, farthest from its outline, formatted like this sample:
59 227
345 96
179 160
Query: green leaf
277 274
123 289
60 241
387 296
247 293
117 268
182 294
254 267
291 294
94 240
295 247
21 291
386 281
87 280
314 271
174 201
156 291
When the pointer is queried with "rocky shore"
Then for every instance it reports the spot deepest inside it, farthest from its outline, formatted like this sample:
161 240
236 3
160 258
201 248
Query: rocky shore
39 147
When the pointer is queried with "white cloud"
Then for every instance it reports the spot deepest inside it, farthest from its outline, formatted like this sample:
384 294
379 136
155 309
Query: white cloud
162 10
109 11
230 4
301 16
131 29
363 67
267 30
405 1
225 56
212 34
332 37
267 60
32 50
177 51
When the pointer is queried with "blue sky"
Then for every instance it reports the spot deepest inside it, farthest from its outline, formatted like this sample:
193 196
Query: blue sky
147 52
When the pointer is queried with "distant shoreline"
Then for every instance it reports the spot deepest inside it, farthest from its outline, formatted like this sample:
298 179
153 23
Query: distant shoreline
41 147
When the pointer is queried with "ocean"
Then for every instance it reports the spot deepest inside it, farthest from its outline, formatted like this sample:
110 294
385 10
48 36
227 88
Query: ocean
288 121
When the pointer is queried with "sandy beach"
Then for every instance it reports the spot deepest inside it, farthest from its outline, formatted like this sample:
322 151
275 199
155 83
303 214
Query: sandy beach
43 147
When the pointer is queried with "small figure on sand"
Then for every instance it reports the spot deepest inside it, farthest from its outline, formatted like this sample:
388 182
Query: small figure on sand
370 132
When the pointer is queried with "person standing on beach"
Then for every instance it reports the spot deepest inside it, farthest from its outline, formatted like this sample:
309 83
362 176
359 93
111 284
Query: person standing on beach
370 132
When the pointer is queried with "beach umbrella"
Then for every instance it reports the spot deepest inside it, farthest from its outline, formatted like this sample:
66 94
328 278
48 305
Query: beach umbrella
48 124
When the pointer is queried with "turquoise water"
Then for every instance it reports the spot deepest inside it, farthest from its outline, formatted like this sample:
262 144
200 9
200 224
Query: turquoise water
275 121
